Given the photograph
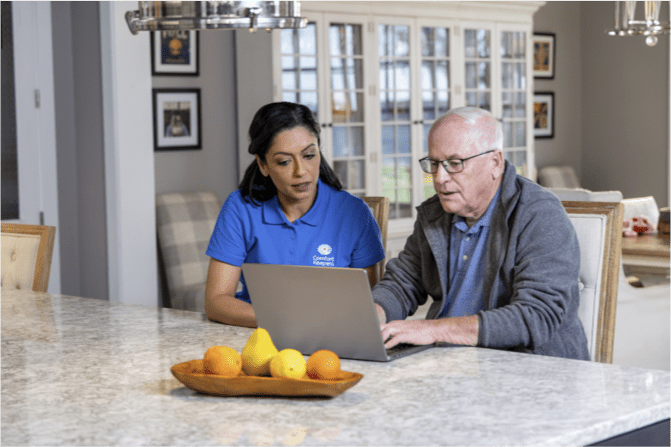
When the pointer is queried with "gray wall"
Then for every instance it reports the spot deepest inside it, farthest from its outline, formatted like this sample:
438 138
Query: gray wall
562 18
80 150
627 147
611 102
215 166
254 66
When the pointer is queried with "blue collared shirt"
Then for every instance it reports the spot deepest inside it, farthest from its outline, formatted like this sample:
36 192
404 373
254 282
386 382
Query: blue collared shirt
338 231
466 264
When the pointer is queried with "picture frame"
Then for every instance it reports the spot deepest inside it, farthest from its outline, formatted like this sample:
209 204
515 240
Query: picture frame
544 54
177 119
175 53
544 114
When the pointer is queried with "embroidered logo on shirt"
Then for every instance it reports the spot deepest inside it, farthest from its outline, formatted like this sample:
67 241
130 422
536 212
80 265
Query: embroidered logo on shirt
324 249
324 260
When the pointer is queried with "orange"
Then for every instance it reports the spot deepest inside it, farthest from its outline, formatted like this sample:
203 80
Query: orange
324 364
223 361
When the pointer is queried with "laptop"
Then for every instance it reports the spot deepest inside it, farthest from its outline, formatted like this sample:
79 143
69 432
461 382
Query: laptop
311 308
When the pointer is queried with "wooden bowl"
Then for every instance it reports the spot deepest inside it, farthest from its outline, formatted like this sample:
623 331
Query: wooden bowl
192 376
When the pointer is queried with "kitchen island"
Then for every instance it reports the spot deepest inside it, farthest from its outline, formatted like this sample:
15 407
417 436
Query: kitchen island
78 371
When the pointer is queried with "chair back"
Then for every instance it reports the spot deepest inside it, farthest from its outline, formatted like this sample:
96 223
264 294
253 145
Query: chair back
598 227
185 221
379 206
26 256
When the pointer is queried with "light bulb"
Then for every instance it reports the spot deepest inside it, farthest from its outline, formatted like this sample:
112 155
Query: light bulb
651 41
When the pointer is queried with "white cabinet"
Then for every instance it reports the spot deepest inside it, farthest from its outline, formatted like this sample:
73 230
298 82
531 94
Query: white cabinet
380 74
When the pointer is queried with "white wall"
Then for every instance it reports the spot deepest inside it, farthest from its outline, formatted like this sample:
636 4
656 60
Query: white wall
129 159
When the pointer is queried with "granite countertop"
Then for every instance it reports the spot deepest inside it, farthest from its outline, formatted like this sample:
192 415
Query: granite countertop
79 371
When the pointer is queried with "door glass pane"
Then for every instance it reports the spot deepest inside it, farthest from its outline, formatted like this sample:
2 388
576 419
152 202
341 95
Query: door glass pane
340 168
388 140
477 68
403 106
429 102
428 41
290 97
443 102
513 96
483 42
347 141
520 105
520 134
347 107
402 47
345 39
387 105
346 73
299 66
470 43
356 174
506 75
402 75
308 99
307 40
507 104
442 42
471 75
428 75
403 145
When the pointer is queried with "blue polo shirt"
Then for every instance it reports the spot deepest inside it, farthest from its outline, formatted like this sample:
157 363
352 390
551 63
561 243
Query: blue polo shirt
338 231
466 264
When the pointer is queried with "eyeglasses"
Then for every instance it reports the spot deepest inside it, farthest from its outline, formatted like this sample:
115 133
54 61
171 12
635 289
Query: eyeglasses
452 166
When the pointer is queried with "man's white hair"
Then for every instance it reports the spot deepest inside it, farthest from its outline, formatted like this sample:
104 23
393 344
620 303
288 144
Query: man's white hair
487 131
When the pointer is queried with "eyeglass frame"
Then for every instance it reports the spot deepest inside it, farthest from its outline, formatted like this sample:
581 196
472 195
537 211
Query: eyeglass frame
444 162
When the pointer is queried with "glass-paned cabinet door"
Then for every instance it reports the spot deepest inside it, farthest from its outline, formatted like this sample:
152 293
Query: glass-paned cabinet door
478 66
347 102
435 86
298 60
394 87
515 107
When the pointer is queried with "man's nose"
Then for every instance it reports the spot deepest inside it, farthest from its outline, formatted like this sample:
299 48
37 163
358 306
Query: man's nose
441 175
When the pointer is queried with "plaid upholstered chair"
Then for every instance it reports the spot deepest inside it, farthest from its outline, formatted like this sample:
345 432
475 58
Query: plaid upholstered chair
184 225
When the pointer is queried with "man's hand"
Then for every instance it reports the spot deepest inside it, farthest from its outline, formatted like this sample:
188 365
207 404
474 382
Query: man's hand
457 330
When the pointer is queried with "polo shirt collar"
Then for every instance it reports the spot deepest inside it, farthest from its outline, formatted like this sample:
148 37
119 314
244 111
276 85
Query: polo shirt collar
273 215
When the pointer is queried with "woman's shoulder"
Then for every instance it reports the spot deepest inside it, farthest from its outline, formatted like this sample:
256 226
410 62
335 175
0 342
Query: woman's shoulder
346 200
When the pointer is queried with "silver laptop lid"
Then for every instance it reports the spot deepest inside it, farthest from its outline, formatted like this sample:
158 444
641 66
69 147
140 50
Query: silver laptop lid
312 308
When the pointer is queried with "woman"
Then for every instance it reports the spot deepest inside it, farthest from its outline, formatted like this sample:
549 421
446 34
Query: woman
288 209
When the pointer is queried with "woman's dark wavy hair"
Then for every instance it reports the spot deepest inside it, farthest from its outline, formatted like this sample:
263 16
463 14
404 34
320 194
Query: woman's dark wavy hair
269 121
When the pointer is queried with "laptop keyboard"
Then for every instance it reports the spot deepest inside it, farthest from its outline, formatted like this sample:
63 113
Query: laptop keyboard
399 347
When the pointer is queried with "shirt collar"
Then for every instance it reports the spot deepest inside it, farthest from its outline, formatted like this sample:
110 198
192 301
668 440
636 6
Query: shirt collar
273 215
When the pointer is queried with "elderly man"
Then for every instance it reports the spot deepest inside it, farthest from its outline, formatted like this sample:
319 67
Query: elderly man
495 251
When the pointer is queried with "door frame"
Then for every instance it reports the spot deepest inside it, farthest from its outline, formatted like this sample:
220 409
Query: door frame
36 122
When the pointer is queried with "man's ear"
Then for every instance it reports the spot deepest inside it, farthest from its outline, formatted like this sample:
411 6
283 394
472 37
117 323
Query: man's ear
263 166
499 165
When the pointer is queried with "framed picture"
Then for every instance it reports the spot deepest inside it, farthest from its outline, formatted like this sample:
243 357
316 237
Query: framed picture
177 119
544 114
544 55
174 53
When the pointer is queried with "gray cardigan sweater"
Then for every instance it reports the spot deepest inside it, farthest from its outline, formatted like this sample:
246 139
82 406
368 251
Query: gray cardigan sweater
530 277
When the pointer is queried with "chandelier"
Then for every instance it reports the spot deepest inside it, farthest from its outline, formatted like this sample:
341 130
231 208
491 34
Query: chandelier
178 15
627 25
